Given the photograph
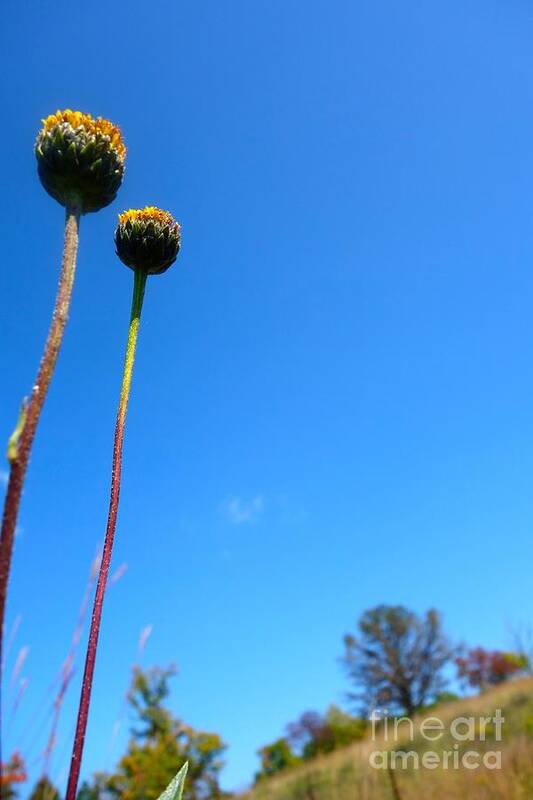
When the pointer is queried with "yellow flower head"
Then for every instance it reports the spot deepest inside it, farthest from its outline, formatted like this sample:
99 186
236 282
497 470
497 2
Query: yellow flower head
91 126
80 159
145 215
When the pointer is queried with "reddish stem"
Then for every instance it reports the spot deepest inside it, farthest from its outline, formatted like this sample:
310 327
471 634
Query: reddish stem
67 668
86 688
20 443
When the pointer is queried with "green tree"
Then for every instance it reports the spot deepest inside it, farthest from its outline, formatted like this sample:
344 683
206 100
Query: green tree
275 757
344 728
396 659
313 733
441 698
44 789
160 745
95 789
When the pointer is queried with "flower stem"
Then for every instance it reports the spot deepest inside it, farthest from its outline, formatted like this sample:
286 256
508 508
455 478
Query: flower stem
86 688
21 440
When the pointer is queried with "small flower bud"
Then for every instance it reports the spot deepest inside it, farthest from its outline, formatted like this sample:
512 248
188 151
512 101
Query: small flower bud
80 160
147 239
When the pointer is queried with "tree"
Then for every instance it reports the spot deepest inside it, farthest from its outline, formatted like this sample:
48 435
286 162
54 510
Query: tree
441 698
275 757
313 733
44 789
522 635
159 746
482 668
13 773
397 658
95 789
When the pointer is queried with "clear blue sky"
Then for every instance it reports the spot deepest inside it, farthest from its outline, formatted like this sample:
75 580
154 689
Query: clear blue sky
333 398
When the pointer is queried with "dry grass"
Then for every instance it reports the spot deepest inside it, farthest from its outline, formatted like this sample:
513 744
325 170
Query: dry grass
347 775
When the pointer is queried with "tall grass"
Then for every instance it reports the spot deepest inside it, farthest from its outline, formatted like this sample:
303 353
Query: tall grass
347 775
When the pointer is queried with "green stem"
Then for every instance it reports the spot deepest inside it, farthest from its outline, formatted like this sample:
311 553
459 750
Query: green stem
116 470
139 284
21 440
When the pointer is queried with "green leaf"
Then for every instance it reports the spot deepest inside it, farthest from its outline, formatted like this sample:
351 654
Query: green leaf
174 790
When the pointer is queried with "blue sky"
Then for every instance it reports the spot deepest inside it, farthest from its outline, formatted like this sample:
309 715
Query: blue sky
333 397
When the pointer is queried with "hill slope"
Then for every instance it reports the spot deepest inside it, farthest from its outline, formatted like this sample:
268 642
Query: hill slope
470 771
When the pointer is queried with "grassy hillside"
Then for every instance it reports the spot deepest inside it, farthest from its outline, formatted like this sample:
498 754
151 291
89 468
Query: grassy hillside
347 774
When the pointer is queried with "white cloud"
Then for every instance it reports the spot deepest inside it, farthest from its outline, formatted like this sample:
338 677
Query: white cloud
240 511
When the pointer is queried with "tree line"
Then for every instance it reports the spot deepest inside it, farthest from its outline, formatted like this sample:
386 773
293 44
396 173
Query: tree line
397 662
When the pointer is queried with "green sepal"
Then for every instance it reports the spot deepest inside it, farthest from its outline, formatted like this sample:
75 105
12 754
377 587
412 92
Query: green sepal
72 153
13 441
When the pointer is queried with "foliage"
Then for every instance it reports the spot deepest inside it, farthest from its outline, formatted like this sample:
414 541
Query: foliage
159 746
397 658
92 790
313 733
44 790
482 668
275 757
441 698
347 774
13 772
